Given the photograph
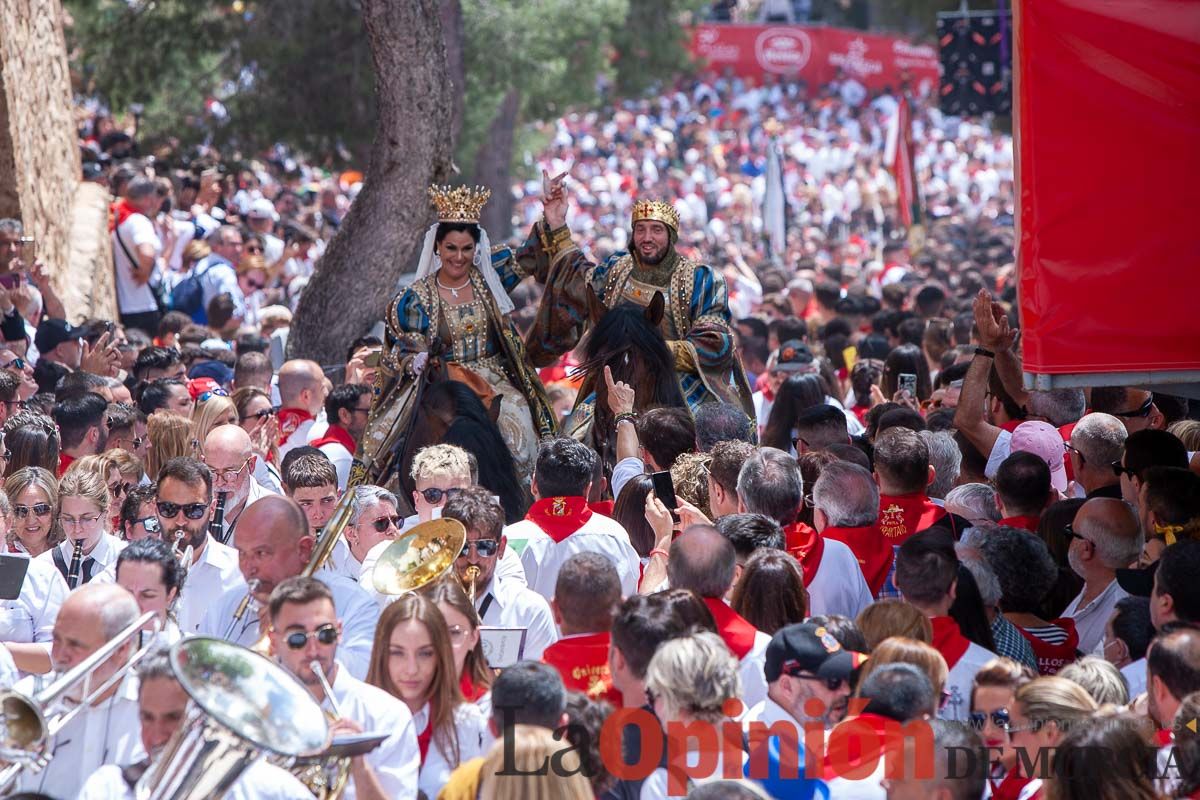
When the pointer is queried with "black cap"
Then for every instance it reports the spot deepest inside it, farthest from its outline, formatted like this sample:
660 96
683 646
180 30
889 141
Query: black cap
809 648
53 332
794 356
1138 582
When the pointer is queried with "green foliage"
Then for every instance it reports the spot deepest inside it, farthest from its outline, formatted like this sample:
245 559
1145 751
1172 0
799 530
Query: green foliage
653 43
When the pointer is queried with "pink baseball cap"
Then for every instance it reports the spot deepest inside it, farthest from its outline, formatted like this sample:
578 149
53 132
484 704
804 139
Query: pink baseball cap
1044 441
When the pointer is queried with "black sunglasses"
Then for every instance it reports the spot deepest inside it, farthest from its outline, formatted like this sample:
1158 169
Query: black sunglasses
1119 470
1141 411
190 510
16 363
999 718
1069 530
38 509
435 495
326 635
266 412
380 525
485 547
832 684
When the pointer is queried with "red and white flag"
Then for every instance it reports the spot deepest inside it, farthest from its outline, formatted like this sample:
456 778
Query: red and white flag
898 155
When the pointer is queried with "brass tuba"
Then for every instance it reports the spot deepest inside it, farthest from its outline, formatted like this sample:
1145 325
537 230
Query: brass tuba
244 707
419 556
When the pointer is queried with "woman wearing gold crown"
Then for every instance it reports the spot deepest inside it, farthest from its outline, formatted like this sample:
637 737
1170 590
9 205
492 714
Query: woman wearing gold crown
457 310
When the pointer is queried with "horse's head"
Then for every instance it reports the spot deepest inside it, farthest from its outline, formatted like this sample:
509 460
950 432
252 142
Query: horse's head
628 340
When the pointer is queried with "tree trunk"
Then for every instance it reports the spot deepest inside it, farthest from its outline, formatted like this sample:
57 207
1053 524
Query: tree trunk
493 165
452 34
379 238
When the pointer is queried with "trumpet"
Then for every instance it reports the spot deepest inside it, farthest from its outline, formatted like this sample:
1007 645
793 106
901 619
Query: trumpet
326 778
31 723
469 579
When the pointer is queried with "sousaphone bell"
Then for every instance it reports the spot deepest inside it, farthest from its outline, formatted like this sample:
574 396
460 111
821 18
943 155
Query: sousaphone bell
419 556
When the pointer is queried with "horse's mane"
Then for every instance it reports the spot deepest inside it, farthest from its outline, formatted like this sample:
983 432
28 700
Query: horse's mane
474 431
625 330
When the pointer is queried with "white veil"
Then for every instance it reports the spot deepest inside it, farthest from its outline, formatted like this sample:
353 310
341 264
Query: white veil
429 264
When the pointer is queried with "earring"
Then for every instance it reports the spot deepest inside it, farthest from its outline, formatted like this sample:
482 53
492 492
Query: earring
478 257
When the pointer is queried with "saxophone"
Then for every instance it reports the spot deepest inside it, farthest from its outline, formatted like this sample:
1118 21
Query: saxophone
216 526
75 571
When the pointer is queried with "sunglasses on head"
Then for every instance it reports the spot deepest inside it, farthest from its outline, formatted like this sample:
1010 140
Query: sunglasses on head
435 495
206 396
383 523
326 635
999 718
485 547
38 509
1141 411
190 510
119 489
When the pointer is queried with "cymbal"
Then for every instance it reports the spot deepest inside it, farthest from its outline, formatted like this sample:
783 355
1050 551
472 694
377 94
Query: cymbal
419 556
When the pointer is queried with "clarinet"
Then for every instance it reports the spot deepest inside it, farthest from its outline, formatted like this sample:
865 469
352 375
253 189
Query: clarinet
74 572
216 528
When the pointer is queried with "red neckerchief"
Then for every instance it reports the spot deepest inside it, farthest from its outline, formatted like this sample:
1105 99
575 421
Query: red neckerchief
1023 521
290 420
336 434
848 750
64 461
604 508
875 556
1011 425
582 661
902 515
1053 657
1164 737
806 546
733 628
121 211
948 639
426 736
470 692
559 517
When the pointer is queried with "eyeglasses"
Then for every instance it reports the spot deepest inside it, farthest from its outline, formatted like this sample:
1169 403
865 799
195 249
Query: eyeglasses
383 523
1069 530
485 547
169 510
435 495
832 684
366 410
1141 411
326 635
82 520
16 363
231 472
19 405
255 285
253 248
259 415
149 523
119 489
1119 470
38 509
999 718
1070 448
206 396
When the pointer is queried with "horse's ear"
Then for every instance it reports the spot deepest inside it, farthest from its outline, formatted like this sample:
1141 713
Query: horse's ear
494 409
595 308
654 311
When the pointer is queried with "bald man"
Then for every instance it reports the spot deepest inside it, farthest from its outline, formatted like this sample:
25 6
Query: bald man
302 391
703 560
230 455
273 544
1106 536
105 732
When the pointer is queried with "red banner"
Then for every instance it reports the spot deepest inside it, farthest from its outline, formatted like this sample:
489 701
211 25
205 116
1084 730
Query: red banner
1107 133
816 54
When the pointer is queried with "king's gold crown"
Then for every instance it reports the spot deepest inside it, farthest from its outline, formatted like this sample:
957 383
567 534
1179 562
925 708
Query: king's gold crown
656 210
459 203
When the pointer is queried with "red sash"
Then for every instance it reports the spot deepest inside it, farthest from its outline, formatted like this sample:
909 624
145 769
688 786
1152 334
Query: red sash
64 461
806 546
948 640
582 661
336 434
470 692
426 736
1023 521
290 420
900 516
875 556
737 633
559 517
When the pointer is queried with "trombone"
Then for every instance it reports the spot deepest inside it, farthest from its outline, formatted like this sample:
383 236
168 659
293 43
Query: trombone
31 723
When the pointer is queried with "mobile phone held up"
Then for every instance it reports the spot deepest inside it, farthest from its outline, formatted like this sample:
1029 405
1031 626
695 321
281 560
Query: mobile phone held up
908 383
664 490
11 280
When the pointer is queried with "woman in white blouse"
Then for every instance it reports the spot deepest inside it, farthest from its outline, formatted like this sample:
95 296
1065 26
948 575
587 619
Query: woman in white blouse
151 573
412 660
462 621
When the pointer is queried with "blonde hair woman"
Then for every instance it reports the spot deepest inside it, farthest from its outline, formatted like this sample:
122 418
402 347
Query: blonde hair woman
886 618
83 515
1046 709
899 650
1099 678
33 493
212 412
105 467
170 436
518 774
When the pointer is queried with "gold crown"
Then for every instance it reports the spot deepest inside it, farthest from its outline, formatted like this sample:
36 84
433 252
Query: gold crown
459 203
657 211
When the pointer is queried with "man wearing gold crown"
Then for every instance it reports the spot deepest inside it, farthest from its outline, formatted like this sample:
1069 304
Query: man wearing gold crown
458 311
696 325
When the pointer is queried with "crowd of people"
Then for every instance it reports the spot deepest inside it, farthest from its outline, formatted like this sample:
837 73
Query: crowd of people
829 513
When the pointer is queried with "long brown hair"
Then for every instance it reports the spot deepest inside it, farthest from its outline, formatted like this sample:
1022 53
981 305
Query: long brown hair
449 591
444 695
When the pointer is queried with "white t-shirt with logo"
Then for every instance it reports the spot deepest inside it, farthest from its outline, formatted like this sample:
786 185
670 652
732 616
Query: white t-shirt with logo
132 297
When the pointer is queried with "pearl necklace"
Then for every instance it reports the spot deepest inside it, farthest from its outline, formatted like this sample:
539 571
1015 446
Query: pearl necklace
453 290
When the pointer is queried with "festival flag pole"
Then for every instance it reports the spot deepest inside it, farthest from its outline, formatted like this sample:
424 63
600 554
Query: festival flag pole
898 155
774 200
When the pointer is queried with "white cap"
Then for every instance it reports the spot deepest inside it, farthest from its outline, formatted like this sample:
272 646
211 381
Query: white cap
262 208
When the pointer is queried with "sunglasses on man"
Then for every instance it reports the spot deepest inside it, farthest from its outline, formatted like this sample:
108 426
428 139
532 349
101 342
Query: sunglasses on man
435 495
485 547
1141 411
168 510
326 635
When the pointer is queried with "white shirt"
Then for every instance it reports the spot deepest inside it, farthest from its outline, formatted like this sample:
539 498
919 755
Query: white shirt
839 586
217 276
104 554
257 492
342 561
341 458
260 781
133 298
960 682
298 438
1135 677
513 605
207 580
267 477
1091 619
750 668
30 617
543 557
1001 450
9 674
108 733
355 608
398 760
471 728
624 471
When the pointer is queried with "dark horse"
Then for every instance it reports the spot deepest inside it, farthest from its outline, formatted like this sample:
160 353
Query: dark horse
450 412
628 340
